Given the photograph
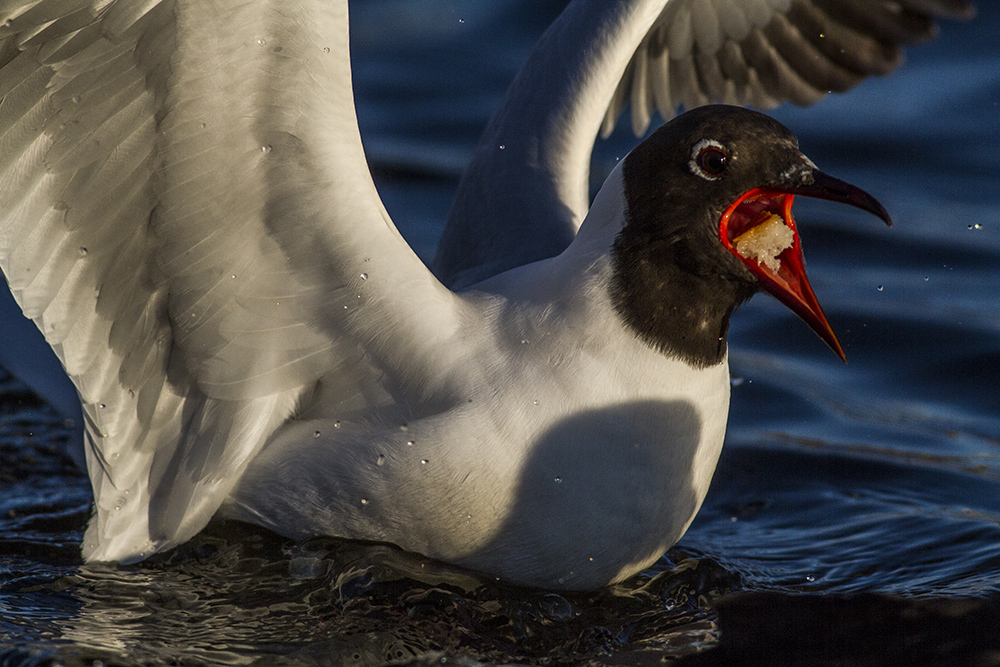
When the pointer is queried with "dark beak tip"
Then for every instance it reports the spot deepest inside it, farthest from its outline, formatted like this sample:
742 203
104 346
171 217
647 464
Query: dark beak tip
888 220
880 211
824 186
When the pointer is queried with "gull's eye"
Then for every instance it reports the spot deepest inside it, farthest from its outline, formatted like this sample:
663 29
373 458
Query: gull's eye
709 160
712 161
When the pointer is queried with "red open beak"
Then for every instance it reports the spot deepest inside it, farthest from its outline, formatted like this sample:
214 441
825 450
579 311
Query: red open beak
759 229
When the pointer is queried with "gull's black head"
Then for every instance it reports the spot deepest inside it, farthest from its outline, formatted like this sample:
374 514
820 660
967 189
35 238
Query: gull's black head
708 224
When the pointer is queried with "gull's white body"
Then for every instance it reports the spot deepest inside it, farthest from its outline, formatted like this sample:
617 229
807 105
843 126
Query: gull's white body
187 215
532 443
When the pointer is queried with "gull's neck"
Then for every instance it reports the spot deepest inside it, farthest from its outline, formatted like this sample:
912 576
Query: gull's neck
577 63
539 142
676 309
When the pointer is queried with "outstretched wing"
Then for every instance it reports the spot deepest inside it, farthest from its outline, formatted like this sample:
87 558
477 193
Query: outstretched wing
525 191
764 52
187 215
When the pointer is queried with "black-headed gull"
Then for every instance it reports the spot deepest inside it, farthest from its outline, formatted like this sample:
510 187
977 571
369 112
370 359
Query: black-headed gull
186 214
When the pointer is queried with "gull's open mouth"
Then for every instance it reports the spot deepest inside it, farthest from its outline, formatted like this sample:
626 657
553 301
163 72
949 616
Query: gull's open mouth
758 228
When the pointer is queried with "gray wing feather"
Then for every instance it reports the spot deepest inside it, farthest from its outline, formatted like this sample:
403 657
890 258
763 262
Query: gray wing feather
799 50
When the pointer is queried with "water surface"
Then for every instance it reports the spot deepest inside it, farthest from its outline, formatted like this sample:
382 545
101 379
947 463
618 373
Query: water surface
881 476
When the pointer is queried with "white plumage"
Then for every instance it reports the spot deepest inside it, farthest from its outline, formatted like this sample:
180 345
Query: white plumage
187 216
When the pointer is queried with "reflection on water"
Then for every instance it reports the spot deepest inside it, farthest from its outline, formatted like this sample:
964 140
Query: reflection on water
879 476
237 593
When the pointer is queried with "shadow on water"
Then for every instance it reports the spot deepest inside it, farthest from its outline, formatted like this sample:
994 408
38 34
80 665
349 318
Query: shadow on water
237 594
770 628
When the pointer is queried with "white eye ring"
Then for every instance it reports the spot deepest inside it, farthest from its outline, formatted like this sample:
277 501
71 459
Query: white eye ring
697 163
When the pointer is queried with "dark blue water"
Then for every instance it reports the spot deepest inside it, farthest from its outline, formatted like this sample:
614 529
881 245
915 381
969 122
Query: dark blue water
879 476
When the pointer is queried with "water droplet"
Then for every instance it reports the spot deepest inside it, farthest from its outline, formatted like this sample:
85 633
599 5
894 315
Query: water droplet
880 288
316 434
326 49
364 501
76 99
233 276
502 146
410 443
265 149
403 427
461 20
336 424
364 276
558 480
535 402
131 393
102 405
380 460
204 125
810 577
524 341
926 278
83 251
423 461
262 42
